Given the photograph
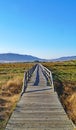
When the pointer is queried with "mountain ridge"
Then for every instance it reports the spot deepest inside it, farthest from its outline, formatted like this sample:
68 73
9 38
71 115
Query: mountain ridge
18 57
14 57
65 58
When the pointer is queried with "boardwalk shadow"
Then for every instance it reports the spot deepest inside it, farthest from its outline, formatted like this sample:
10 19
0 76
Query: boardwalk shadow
47 79
38 90
37 78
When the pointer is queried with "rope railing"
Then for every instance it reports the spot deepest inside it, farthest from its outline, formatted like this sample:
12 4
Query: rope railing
27 76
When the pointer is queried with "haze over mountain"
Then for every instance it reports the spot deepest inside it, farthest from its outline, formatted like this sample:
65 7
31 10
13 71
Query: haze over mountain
65 58
12 57
17 57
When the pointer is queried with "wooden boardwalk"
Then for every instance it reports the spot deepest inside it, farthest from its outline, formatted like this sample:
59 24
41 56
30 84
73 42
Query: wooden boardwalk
39 108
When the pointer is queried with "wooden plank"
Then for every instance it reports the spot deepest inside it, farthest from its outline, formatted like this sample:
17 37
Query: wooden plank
39 108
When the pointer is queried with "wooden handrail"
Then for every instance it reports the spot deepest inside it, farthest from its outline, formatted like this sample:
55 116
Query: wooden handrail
48 74
27 76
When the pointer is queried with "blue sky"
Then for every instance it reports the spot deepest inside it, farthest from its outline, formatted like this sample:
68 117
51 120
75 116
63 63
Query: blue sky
42 28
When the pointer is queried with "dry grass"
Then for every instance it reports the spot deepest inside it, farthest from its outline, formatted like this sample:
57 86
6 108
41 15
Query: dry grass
11 80
12 87
9 96
68 99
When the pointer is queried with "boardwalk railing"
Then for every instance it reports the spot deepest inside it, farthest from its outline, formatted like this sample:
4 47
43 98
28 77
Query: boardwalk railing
48 74
40 108
27 76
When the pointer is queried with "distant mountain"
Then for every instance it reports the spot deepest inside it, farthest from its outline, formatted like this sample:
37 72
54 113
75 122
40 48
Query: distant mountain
65 58
12 57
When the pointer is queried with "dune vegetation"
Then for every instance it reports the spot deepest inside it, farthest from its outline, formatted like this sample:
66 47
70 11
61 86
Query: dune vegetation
64 76
11 81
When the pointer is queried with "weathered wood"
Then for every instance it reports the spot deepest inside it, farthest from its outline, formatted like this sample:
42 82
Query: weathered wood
39 108
27 76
